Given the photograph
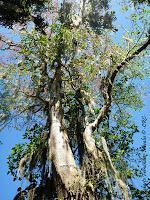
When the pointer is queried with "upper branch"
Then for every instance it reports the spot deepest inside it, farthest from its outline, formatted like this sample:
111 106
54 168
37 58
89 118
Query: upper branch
10 44
128 59
110 80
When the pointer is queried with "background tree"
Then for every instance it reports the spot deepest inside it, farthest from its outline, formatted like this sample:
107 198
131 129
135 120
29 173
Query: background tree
72 87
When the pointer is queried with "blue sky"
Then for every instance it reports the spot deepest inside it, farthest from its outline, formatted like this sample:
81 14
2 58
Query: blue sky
10 136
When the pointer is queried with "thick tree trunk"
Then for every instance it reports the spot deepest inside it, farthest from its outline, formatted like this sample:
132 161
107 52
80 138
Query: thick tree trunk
68 179
61 155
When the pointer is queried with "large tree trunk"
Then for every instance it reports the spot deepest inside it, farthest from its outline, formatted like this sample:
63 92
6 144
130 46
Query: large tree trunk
62 157
68 179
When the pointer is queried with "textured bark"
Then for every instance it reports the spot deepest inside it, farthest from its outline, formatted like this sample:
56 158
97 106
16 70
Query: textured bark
60 152
70 181
103 158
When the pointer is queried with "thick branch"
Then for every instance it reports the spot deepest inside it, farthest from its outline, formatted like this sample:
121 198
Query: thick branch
10 43
60 152
111 78
128 59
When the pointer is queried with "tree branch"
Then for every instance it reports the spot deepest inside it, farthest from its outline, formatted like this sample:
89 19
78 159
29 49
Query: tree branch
10 43
110 80
35 97
89 141
129 58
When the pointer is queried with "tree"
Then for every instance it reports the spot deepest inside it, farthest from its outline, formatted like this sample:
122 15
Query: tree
68 88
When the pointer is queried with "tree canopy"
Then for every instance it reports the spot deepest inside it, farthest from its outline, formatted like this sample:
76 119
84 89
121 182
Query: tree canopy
73 88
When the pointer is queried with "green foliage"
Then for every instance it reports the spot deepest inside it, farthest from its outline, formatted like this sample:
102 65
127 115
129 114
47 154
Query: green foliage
20 11
100 20
4 110
35 148
17 153
141 1
141 193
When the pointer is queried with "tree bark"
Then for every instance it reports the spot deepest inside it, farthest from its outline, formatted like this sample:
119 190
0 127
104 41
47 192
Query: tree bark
61 155
68 177
102 158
